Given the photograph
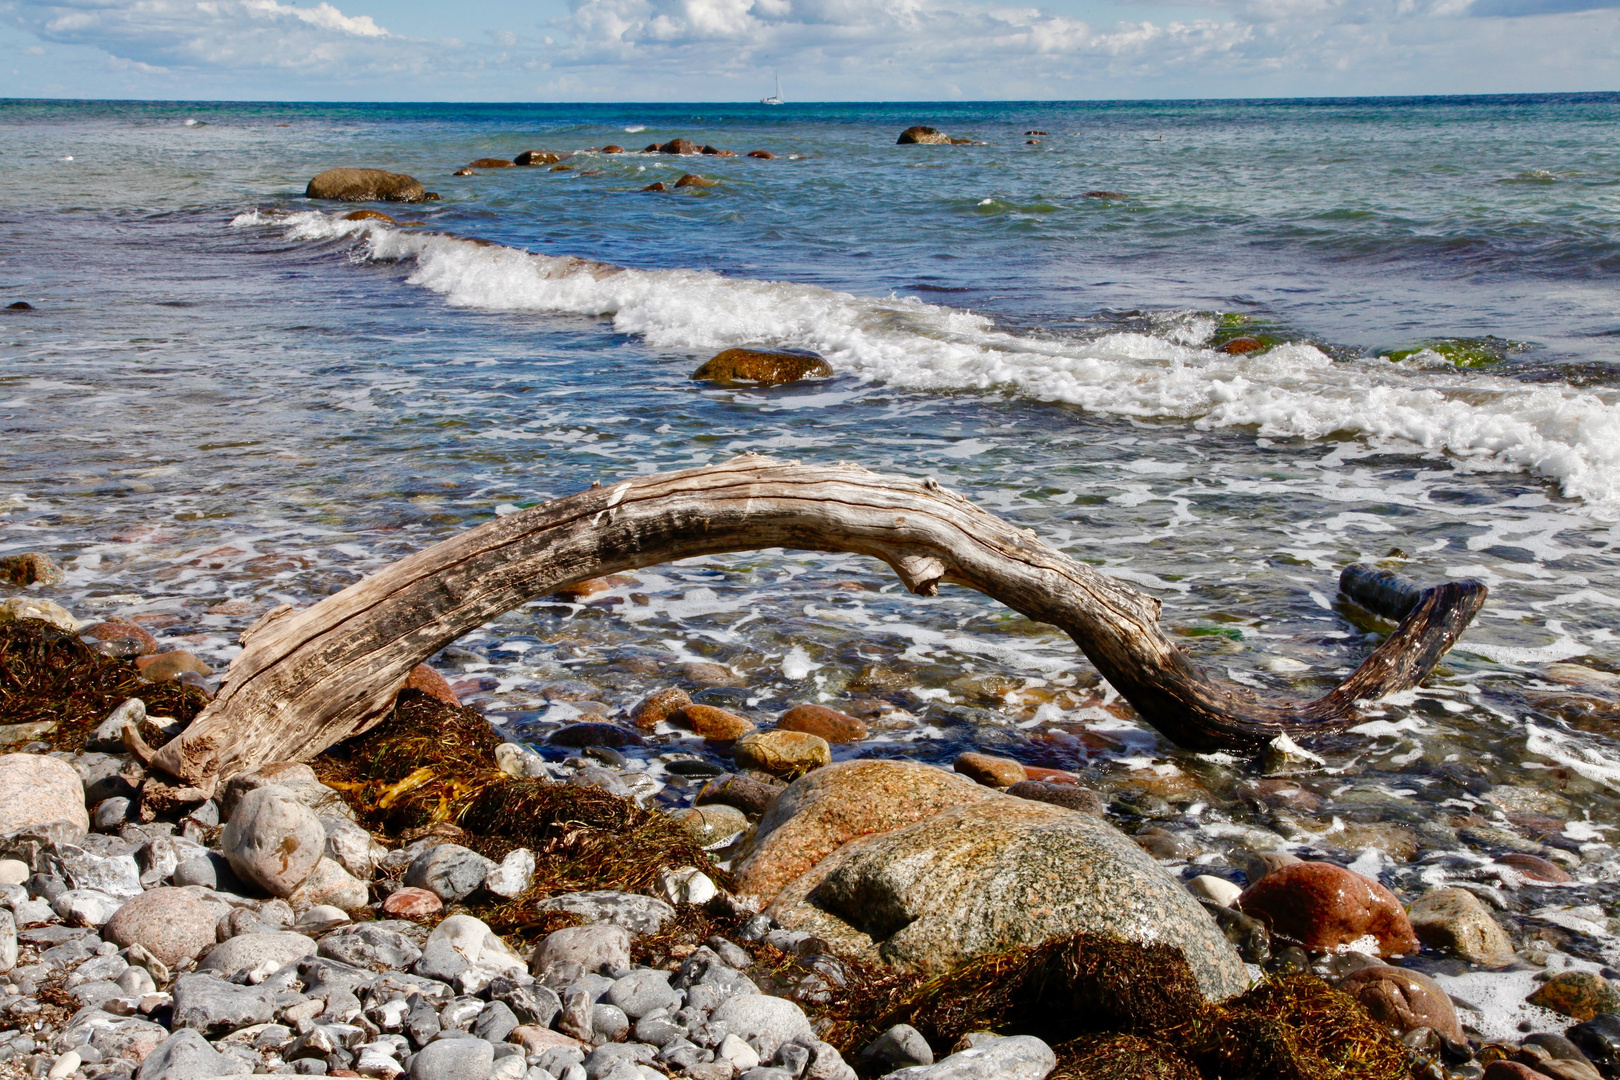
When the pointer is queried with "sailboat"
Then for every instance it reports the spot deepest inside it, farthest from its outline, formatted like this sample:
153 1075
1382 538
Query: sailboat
776 98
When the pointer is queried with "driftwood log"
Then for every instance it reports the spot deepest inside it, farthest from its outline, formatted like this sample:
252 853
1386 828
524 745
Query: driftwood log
309 678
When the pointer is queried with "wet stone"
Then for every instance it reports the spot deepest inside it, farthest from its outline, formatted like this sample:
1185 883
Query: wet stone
1578 994
594 734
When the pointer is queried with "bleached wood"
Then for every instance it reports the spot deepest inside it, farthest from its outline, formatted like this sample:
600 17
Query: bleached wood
307 679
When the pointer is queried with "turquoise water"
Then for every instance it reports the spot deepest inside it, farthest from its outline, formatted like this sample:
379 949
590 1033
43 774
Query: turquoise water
229 397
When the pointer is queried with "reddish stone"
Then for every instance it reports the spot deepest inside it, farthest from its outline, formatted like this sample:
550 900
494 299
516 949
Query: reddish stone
1536 868
432 684
1242 346
132 640
990 770
680 146
1322 906
1049 776
1404 1000
714 151
365 215
712 723
169 666
582 590
659 706
612 148
764 155
1511 1070
657 185
830 724
489 163
412 903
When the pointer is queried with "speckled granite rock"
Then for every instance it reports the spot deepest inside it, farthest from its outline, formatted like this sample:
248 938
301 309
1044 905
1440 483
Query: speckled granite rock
1001 874
819 813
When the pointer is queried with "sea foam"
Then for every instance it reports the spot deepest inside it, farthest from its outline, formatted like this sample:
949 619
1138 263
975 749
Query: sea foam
1559 432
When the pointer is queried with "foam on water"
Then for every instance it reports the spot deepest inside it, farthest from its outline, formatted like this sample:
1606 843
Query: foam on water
1567 435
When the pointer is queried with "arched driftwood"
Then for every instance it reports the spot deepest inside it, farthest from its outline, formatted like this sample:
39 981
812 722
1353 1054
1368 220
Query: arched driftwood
307 679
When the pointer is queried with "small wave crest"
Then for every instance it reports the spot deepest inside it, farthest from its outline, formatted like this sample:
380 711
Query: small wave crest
1564 434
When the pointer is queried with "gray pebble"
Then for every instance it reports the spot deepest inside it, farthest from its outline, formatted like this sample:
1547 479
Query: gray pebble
453 1059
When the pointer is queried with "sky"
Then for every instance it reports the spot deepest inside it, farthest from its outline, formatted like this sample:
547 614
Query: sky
824 50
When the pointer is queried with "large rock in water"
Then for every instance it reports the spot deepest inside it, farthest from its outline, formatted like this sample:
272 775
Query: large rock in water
923 136
37 790
1002 874
768 367
365 185
821 812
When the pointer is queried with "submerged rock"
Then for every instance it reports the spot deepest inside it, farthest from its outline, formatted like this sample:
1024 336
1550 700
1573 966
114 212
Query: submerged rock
694 180
921 135
764 155
680 146
1455 920
1326 907
365 185
767 367
30 568
491 163
536 157
829 724
712 723
1001 874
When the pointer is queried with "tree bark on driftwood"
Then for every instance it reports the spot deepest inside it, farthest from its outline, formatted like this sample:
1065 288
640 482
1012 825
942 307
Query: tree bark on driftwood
309 678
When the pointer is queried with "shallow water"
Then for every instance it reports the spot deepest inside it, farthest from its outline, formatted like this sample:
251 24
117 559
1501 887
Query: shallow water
228 398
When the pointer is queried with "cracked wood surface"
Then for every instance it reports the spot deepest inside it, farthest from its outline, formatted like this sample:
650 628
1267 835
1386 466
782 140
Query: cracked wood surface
312 677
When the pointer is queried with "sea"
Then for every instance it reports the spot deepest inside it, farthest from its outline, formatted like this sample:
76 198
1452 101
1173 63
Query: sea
229 396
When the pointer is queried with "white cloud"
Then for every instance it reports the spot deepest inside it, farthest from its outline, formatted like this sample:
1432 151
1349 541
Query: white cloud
236 34
851 49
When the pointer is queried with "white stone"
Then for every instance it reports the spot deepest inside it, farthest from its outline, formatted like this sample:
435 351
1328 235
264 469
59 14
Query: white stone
329 885
512 877
273 840
739 1053
65 1065
13 871
86 907
1214 889
688 885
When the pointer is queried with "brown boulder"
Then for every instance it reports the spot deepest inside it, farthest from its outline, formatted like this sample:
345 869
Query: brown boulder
657 185
533 157
821 812
1511 1070
1105 195
169 923
990 770
1322 906
786 754
763 155
694 180
923 136
658 706
432 684
714 151
490 163
744 793
1242 346
368 215
612 148
680 146
714 724
1404 1000
30 568
653 149
365 185
830 724
706 673
563 167
19 305
767 367
1536 868
119 637
465 171
169 666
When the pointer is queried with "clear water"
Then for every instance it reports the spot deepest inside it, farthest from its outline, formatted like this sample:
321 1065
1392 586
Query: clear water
230 398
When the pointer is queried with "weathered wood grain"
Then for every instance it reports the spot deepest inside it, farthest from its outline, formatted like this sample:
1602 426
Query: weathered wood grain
307 679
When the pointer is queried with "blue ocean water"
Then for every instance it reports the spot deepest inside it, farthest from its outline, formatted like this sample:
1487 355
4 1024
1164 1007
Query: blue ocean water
229 396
